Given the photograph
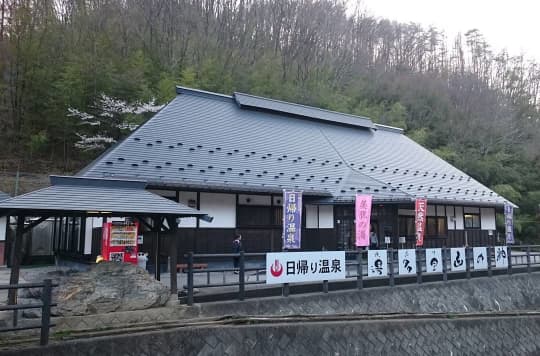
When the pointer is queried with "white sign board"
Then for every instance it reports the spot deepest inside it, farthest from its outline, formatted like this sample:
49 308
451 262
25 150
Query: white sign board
457 259
480 258
377 263
289 267
433 260
501 257
407 261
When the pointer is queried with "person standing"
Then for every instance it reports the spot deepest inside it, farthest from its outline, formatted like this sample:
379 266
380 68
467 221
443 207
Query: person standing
237 248
373 239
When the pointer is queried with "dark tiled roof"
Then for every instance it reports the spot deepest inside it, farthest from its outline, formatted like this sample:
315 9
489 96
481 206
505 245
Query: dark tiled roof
4 196
202 139
69 194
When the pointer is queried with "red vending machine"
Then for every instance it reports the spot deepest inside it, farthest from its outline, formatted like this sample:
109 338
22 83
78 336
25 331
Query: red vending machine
119 242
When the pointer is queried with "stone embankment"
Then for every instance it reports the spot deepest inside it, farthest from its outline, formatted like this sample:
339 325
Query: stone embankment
492 316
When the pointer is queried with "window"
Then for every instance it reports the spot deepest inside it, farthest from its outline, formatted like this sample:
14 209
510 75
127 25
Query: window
436 226
472 221
406 226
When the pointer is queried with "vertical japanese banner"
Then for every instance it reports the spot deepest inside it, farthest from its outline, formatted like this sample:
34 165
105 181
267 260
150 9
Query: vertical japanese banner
509 223
363 216
292 219
420 220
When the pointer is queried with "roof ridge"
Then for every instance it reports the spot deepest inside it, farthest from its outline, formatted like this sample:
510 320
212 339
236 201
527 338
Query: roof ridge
352 170
302 105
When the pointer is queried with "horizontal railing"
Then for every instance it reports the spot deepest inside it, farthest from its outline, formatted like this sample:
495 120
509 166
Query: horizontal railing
520 257
45 305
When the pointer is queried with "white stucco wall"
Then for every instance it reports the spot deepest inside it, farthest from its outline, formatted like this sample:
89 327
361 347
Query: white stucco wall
185 197
326 216
88 235
312 219
3 228
459 218
487 216
220 206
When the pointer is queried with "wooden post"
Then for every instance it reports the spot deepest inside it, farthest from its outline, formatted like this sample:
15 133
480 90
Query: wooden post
419 266
490 272
157 271
242 277
173 254
391 279
45 311
467 263
528 259
16 257
444 271
359 272
190 279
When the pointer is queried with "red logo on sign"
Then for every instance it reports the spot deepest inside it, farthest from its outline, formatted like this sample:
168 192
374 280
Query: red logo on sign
276 269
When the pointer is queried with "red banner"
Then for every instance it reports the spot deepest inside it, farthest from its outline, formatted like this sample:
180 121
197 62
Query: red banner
420 220
363 215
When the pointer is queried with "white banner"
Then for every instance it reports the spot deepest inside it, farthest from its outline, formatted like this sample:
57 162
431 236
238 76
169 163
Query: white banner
501 257
407 261
457 259
480 258
377 263
433 260
289 267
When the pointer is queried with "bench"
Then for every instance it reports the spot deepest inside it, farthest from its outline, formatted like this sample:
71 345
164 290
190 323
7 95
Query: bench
183 266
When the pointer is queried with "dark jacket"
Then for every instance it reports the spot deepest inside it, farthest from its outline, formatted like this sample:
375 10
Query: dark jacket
237 246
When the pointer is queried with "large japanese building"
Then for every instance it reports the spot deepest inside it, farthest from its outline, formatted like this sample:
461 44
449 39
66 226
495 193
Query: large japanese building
232 156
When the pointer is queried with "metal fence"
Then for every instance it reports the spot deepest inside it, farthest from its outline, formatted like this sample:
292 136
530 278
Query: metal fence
45 306
521 259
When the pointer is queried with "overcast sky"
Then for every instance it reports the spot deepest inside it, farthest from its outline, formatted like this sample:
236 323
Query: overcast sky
510 24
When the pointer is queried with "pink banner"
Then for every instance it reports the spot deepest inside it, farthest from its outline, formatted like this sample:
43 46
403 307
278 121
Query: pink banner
363 216
420 220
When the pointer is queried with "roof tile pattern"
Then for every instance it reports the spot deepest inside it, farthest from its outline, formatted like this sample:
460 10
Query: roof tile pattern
207 139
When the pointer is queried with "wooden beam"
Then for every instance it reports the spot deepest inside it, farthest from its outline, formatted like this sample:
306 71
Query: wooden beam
35 223
16 257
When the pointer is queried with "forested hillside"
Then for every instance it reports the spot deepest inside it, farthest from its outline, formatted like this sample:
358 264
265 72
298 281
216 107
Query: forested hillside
77 75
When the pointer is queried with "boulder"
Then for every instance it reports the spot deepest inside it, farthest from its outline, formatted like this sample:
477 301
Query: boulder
105 287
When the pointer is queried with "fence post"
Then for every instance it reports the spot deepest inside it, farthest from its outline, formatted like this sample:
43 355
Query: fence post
325 286
509 259
528 259
359 272
467 263
418 266
285 290
444 271
490 271
190 279
241 277
391 279
45 311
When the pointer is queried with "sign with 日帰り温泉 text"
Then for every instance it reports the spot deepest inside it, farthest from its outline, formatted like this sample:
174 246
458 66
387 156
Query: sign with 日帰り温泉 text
290 267
480 258
377 263
434 262
457 259
407 261
292 219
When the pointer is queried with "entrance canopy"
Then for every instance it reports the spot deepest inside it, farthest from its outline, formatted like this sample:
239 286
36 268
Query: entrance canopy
94 197
91 197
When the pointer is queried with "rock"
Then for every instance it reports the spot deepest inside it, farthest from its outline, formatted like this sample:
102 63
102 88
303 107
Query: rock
106 287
